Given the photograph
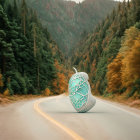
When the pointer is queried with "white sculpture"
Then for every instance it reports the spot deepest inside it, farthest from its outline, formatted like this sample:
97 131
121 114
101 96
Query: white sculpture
80 92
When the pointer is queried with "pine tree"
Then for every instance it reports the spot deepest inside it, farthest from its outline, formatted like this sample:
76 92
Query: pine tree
136 10
6 53
26 59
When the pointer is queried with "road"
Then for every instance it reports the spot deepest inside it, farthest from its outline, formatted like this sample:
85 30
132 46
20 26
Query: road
54 118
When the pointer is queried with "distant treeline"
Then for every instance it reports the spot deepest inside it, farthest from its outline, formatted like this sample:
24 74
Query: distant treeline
67 21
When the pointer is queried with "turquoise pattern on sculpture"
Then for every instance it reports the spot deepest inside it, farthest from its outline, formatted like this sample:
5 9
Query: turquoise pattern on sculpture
78 90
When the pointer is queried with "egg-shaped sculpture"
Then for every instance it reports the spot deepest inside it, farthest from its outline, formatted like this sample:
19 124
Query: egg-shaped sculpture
80 92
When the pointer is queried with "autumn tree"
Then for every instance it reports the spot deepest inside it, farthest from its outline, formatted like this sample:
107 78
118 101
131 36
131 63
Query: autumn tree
114 74
128 40
60 84
131 65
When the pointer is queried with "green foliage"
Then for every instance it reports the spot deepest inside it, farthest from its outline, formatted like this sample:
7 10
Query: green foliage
122 90
104 43
131 93
68 21
137 84
17 83
113 48
137 25
26 59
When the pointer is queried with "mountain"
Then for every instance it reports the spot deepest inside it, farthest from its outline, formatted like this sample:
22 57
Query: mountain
111 53
68 21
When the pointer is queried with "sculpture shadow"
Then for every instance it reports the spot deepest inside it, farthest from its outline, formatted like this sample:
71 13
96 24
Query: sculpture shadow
73 112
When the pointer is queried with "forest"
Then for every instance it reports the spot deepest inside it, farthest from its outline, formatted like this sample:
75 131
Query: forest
111 53
30 61
68 21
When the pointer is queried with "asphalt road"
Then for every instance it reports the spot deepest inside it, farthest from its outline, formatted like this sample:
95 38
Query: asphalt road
54 118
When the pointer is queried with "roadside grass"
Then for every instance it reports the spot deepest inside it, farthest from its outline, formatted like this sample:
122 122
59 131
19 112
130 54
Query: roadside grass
7 99
14 98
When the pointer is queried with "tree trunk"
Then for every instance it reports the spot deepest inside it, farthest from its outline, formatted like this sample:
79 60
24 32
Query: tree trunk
35 48
38 78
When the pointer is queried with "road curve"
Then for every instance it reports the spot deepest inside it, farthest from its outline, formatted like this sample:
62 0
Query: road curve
54 118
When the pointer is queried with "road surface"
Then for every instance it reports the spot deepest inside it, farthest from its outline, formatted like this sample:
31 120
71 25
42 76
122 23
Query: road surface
54 118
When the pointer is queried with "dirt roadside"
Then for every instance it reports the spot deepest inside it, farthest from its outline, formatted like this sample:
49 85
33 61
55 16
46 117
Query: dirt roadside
131 102
5 100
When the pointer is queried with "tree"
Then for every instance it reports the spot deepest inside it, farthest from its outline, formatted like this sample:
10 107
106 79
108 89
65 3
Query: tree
114 74
1 83
60 83
128 40
131 64
7 59
26 58
136 10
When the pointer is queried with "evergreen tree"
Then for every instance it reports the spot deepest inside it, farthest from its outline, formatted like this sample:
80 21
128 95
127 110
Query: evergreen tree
6 53
110 52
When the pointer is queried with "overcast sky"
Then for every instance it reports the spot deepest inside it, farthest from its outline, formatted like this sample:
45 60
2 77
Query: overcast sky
76 0
83 0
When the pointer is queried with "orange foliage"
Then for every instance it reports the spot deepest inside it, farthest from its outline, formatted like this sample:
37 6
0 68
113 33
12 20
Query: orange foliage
57 65
47 92
96 88
114 74
128 40
6 92
93 68
60 84
131 64
125 68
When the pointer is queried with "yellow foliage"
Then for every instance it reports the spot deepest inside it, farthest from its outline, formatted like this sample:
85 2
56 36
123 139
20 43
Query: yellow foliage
124 70
114 74
47 92
6 92
131 64
128 41
60 84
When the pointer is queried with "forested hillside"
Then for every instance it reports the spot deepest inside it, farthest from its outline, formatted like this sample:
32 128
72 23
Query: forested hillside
30 61
111 54
68 21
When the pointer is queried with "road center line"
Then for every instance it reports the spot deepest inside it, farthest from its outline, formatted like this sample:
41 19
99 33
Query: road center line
64 128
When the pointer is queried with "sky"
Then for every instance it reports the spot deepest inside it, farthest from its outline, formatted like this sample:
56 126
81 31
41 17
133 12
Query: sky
77 1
